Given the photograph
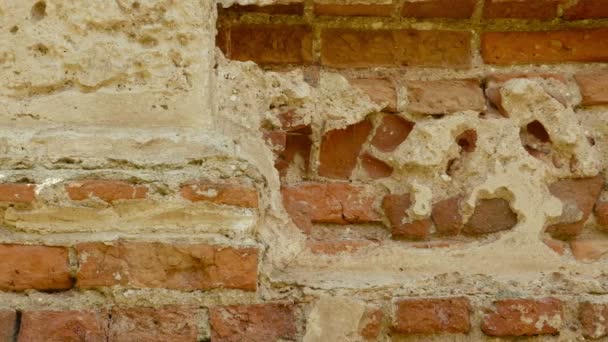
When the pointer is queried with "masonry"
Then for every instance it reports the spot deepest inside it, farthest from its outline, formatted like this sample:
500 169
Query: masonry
303 170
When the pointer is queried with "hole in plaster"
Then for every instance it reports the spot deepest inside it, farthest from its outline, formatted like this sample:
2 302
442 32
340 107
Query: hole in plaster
535 139
39 10
14 29
467 140
538 130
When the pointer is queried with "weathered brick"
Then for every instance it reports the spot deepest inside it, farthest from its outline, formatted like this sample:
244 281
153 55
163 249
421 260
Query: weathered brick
170 323
578 197
106 190
271 44
447 217
340 150
277 140
370 325
58 326
538 9
8 325
286 9
594 319
593 87
172 266
577 45
431 316
381 90
491 216
333 247
587 9
523 317
17 192
445 96
226 193
454 9
374 167
395 208
601 210
352 48
34 267
333 202
557 246
297 145
368 10
589 250
467 140
392 131
255 323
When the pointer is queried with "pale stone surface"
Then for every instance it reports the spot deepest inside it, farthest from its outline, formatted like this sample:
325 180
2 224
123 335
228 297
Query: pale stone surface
334 319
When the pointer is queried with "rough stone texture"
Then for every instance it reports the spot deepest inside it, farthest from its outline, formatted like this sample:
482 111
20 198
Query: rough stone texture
524 317
156 265
431 316
150 324
63 326
263 322
34 267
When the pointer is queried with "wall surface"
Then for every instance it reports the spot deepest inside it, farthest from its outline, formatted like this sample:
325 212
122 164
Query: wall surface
303 170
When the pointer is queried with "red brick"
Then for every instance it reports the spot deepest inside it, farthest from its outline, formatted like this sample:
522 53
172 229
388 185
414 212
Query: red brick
589 250
587 9
8 325
395 208
431 316
288 9
538 9
63 326
106 190
578 197
593 87
447 217
277 140
594 319
372 10
255 323
381 90
445 96
17 192
352 48
523 317
333 202
297 145
228 194
454 9
170 323
584 45
34 267
370 325
491 216
467 140
172 266
392 131
271 44
601 210
333 247
374 167
340 149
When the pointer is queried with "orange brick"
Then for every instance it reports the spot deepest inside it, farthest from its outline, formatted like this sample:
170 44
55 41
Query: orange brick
454 9
170 323
63 326
340 149
8 324
523 317
589 250
430 316
491 216
392 131
271 44
395 208
374 167
594 87
289 9
17 192
537 9
261 322
447 217
370 325
584 45
352 48
380 90
445 96
372 10
171 266
106 190
594 319
229 194
587 9
34 267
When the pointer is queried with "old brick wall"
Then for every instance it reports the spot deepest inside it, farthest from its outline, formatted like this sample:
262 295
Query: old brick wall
303 170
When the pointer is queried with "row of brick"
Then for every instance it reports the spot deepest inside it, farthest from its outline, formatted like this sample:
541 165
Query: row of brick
451 9
278 321
130 265
360 48
114 190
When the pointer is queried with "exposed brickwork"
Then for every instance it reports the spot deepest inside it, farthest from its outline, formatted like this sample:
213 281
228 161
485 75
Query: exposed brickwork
431 316
490 216
395 208
540 9
594 319
229 194
587 9
340 150
370 325
175 323
289 9
391 132
593 88
454 9
445 96
380 90
63 326
523 317
8 325
447 217
263 322
17 193
34 267
589 250
371 10
106 190
173 266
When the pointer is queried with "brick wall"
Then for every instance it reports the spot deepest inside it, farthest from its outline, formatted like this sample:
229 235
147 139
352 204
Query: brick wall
386 171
